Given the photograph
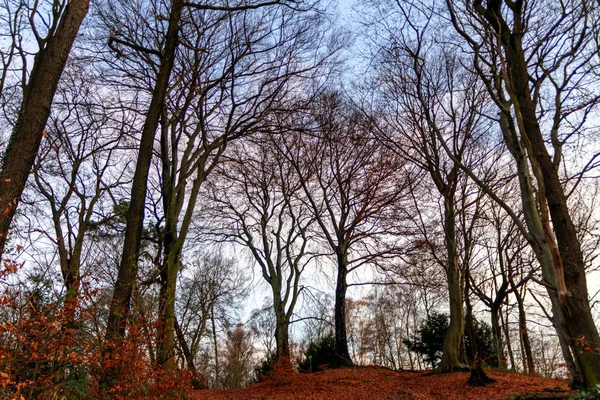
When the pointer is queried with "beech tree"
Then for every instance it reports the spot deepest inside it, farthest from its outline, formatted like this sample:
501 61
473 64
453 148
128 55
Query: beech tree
54 27
538 71
430 102
257 204
75 176
257 60
213 285
351 184
242 81
126 279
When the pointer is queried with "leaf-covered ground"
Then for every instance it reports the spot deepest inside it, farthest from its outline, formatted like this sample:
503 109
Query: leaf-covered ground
379 383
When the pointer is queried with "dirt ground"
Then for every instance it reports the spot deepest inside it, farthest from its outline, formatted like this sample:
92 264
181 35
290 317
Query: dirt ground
370 383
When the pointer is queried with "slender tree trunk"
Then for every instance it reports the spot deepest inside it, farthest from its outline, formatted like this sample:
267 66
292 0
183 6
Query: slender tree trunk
497 337
189 357
341 339
451 356
216 346
511 355
126 279
26 136
528 363
127 276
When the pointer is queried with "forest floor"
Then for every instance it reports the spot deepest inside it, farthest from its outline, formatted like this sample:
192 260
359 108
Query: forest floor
370 383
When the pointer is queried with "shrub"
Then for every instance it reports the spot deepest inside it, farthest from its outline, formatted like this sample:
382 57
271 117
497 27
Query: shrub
320 355
265 368
429 341
48 352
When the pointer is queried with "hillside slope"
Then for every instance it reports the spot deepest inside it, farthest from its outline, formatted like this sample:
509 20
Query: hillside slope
370 383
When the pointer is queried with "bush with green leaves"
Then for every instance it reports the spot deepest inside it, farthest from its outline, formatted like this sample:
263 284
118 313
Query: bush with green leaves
429 340
320 355
428 343
485 343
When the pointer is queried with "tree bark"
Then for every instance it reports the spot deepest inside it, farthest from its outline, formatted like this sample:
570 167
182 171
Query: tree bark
166 309
119 309
478 376
27 133
566 274
216 347
524 334
451 356
189 357
341 338
509 350
127 276
282 340
497 337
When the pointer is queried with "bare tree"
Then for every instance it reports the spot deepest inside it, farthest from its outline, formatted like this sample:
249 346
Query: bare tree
432 103
223 95
238 359
545 67
76 173
258 206
215 285
120 305
160 48
54 26
351 183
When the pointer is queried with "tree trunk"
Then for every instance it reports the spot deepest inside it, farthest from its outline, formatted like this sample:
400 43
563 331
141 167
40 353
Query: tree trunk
497 337
478 376
569 265
341 339
567 273
524 335
166 309
126 279
216 346
189 357
282 341
451 356
26 136
511 355
127 276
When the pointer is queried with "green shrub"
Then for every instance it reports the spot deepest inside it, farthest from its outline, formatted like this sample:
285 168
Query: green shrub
320 355
429 340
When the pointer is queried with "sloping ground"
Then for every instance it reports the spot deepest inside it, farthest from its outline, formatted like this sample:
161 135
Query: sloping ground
371 383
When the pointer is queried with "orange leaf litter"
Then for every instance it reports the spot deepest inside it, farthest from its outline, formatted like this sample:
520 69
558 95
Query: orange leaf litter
371 383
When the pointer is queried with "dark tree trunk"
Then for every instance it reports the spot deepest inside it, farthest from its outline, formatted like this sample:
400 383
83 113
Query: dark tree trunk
341 338
119 309
524 335
26 136
166 306
478 376
127 276
282 341
189 358
573 295
497 336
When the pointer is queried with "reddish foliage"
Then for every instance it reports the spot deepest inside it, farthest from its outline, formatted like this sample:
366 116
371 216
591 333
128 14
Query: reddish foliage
48 351
379 383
